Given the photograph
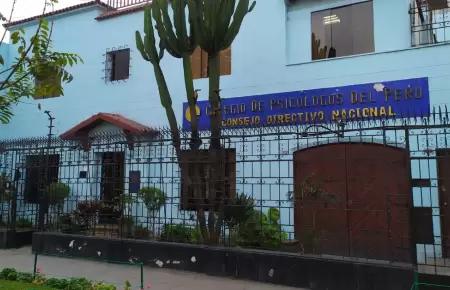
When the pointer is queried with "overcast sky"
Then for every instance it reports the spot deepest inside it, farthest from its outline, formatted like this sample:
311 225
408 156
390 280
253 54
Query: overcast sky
28 8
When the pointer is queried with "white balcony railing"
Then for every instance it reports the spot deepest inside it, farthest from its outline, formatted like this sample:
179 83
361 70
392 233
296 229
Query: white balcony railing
119 4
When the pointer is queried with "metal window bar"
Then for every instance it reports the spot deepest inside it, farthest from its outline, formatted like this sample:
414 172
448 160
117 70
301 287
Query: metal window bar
430 23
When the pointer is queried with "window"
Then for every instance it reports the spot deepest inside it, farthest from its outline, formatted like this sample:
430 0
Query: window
51 86
342 31
36 177
199 62
429 21
135 181
117 65
188 200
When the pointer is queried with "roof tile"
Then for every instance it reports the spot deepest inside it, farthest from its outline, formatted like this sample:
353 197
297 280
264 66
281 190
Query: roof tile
120 121
60 11
115 13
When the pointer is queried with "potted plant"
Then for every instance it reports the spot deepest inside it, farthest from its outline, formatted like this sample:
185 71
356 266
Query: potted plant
153 198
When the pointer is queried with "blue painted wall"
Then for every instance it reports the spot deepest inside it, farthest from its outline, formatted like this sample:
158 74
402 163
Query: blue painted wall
271 54
267 57
4 52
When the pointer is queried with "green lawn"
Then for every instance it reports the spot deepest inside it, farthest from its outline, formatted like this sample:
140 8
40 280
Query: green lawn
10 285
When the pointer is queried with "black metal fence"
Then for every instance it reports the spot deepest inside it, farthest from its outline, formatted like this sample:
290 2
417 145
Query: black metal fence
373 189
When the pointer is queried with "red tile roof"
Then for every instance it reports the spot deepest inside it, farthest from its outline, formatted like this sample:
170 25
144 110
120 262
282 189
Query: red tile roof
127 125
115 13
60 11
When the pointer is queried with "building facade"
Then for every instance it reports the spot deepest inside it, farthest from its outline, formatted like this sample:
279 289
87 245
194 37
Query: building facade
283 46
267 57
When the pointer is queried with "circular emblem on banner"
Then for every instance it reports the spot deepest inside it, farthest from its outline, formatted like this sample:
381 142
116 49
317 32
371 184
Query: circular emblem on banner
187 114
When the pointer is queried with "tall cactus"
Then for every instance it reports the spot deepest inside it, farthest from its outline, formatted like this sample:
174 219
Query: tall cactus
180 45
216 24
147 48
211 27
211 20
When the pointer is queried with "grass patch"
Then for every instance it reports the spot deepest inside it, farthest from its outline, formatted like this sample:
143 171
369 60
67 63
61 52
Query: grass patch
11 279
12 285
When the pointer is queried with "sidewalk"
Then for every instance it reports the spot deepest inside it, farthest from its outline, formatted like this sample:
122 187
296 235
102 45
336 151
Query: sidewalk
159 279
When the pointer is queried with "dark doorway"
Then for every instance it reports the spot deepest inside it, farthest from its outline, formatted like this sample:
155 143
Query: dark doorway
112 185
368 214
41 170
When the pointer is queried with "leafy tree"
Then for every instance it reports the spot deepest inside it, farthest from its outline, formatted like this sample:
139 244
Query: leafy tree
213 25
37 70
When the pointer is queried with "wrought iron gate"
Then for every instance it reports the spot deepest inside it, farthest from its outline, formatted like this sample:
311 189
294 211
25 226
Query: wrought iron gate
368 216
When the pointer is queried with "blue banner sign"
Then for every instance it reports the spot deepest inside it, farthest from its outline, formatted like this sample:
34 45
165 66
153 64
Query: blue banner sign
381 99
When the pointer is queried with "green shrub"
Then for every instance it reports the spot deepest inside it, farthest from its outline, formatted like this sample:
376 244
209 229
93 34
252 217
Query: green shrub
102 286
9 274
78 284
180 234
56 193
25 277
23 223
141 232
262 231
153 198
57 283
239 210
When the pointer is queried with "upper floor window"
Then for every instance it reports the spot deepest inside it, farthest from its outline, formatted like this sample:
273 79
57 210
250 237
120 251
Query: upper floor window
117 65
342 31
199 62
429 21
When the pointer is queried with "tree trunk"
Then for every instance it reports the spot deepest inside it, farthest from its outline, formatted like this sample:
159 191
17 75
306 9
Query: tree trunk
192 101
166 102
216 153
194 145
